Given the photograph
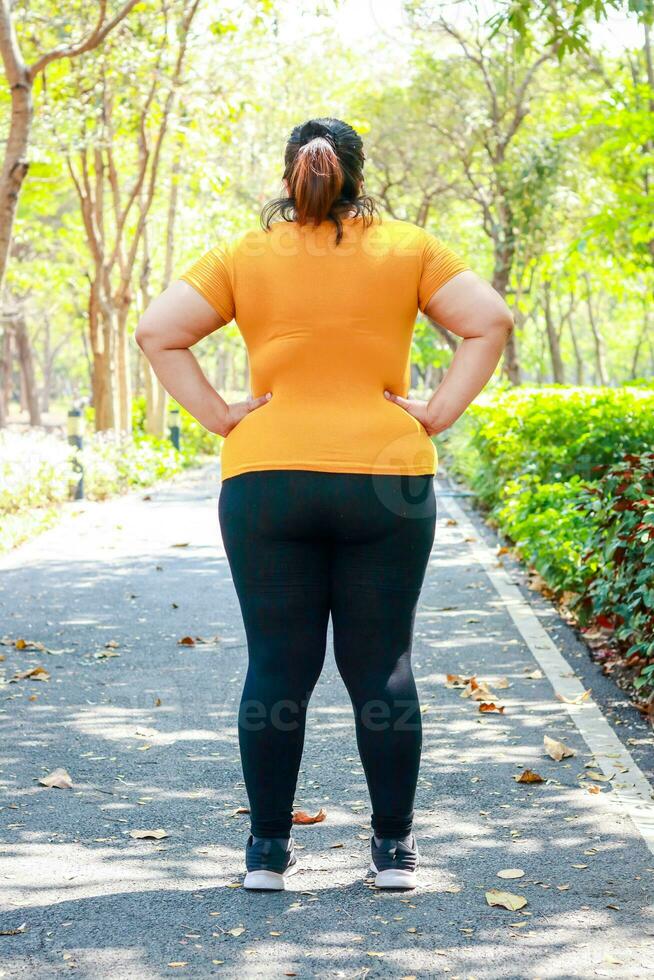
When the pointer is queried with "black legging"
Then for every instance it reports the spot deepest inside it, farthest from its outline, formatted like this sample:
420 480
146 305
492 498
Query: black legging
302 544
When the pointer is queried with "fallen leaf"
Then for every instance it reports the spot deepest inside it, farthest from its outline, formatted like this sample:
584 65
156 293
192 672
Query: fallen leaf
240 809
502 683
576 700
535 675
369 953
506 900
511 873
148 834
187 641
594 789
14 932
58 779
529 776
557 750
178 963
599 776
33 674
336 845
491 706
456 680
300 816
236 931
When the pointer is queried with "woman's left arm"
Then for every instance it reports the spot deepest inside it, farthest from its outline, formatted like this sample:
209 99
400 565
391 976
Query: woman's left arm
471 308
166 331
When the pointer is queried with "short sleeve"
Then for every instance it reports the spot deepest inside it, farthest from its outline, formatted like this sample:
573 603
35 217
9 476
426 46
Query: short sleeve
439 263
211 275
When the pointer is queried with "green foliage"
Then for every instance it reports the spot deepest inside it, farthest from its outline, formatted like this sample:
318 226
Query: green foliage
195 440
552 434
564 23
620 591
568 475
549 531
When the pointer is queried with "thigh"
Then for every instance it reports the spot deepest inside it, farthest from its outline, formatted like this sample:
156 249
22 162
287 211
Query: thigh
280 568
379 559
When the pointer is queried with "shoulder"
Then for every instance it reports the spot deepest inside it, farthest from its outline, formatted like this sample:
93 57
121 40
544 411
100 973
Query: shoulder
404 236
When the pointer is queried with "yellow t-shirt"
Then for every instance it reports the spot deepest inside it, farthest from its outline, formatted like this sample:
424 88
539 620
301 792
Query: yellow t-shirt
327 327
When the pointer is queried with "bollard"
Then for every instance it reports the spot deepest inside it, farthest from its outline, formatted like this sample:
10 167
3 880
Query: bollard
173 426
75 439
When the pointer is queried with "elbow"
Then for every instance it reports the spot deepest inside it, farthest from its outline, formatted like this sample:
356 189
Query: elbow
503 324
144 333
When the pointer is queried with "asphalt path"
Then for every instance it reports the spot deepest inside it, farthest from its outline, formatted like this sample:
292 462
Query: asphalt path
146 728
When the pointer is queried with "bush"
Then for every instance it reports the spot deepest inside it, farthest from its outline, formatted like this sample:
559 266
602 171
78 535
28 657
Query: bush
620 591
549 531
38 472
568 475
35 470
552 433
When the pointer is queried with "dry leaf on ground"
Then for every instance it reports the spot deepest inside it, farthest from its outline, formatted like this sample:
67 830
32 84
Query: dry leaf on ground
58 779
557 750
506 900
33 674
511 873
300 816
491 706
529 776
456 680
148 834
576 700
14 932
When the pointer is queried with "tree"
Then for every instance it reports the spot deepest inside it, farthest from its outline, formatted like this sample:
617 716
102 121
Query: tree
21 77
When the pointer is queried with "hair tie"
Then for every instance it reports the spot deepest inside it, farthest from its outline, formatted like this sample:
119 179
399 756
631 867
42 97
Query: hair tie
313 130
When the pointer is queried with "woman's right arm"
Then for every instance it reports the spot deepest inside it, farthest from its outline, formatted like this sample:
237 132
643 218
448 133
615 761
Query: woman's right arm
471 308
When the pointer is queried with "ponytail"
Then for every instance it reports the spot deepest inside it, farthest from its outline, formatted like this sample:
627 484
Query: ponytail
316 180
323 172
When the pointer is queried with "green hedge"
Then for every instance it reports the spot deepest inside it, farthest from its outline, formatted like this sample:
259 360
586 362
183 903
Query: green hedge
568 475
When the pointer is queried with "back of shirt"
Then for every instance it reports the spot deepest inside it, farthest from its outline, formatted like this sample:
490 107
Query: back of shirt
327 328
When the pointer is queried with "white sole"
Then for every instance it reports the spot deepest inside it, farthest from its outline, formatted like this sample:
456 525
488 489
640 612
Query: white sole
394 878
270 881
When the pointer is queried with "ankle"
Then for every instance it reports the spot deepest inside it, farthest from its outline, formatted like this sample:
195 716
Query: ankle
404 839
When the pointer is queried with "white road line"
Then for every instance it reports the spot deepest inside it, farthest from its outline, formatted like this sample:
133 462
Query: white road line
634 796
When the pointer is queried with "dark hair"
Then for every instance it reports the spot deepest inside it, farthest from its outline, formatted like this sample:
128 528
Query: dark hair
323 167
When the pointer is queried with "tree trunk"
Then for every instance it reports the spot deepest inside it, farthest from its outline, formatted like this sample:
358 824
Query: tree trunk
639 344
5 374
24 350
558 371
597 337
15 165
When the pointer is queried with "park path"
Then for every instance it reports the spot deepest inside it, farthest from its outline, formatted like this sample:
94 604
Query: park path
148 736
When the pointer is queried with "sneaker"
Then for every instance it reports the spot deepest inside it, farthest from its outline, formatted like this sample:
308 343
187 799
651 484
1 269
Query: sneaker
394 862
269 863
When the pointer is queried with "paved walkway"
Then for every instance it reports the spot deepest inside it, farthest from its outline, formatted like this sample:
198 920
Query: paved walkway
146 728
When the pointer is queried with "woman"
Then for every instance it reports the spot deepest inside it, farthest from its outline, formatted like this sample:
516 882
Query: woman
327 501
